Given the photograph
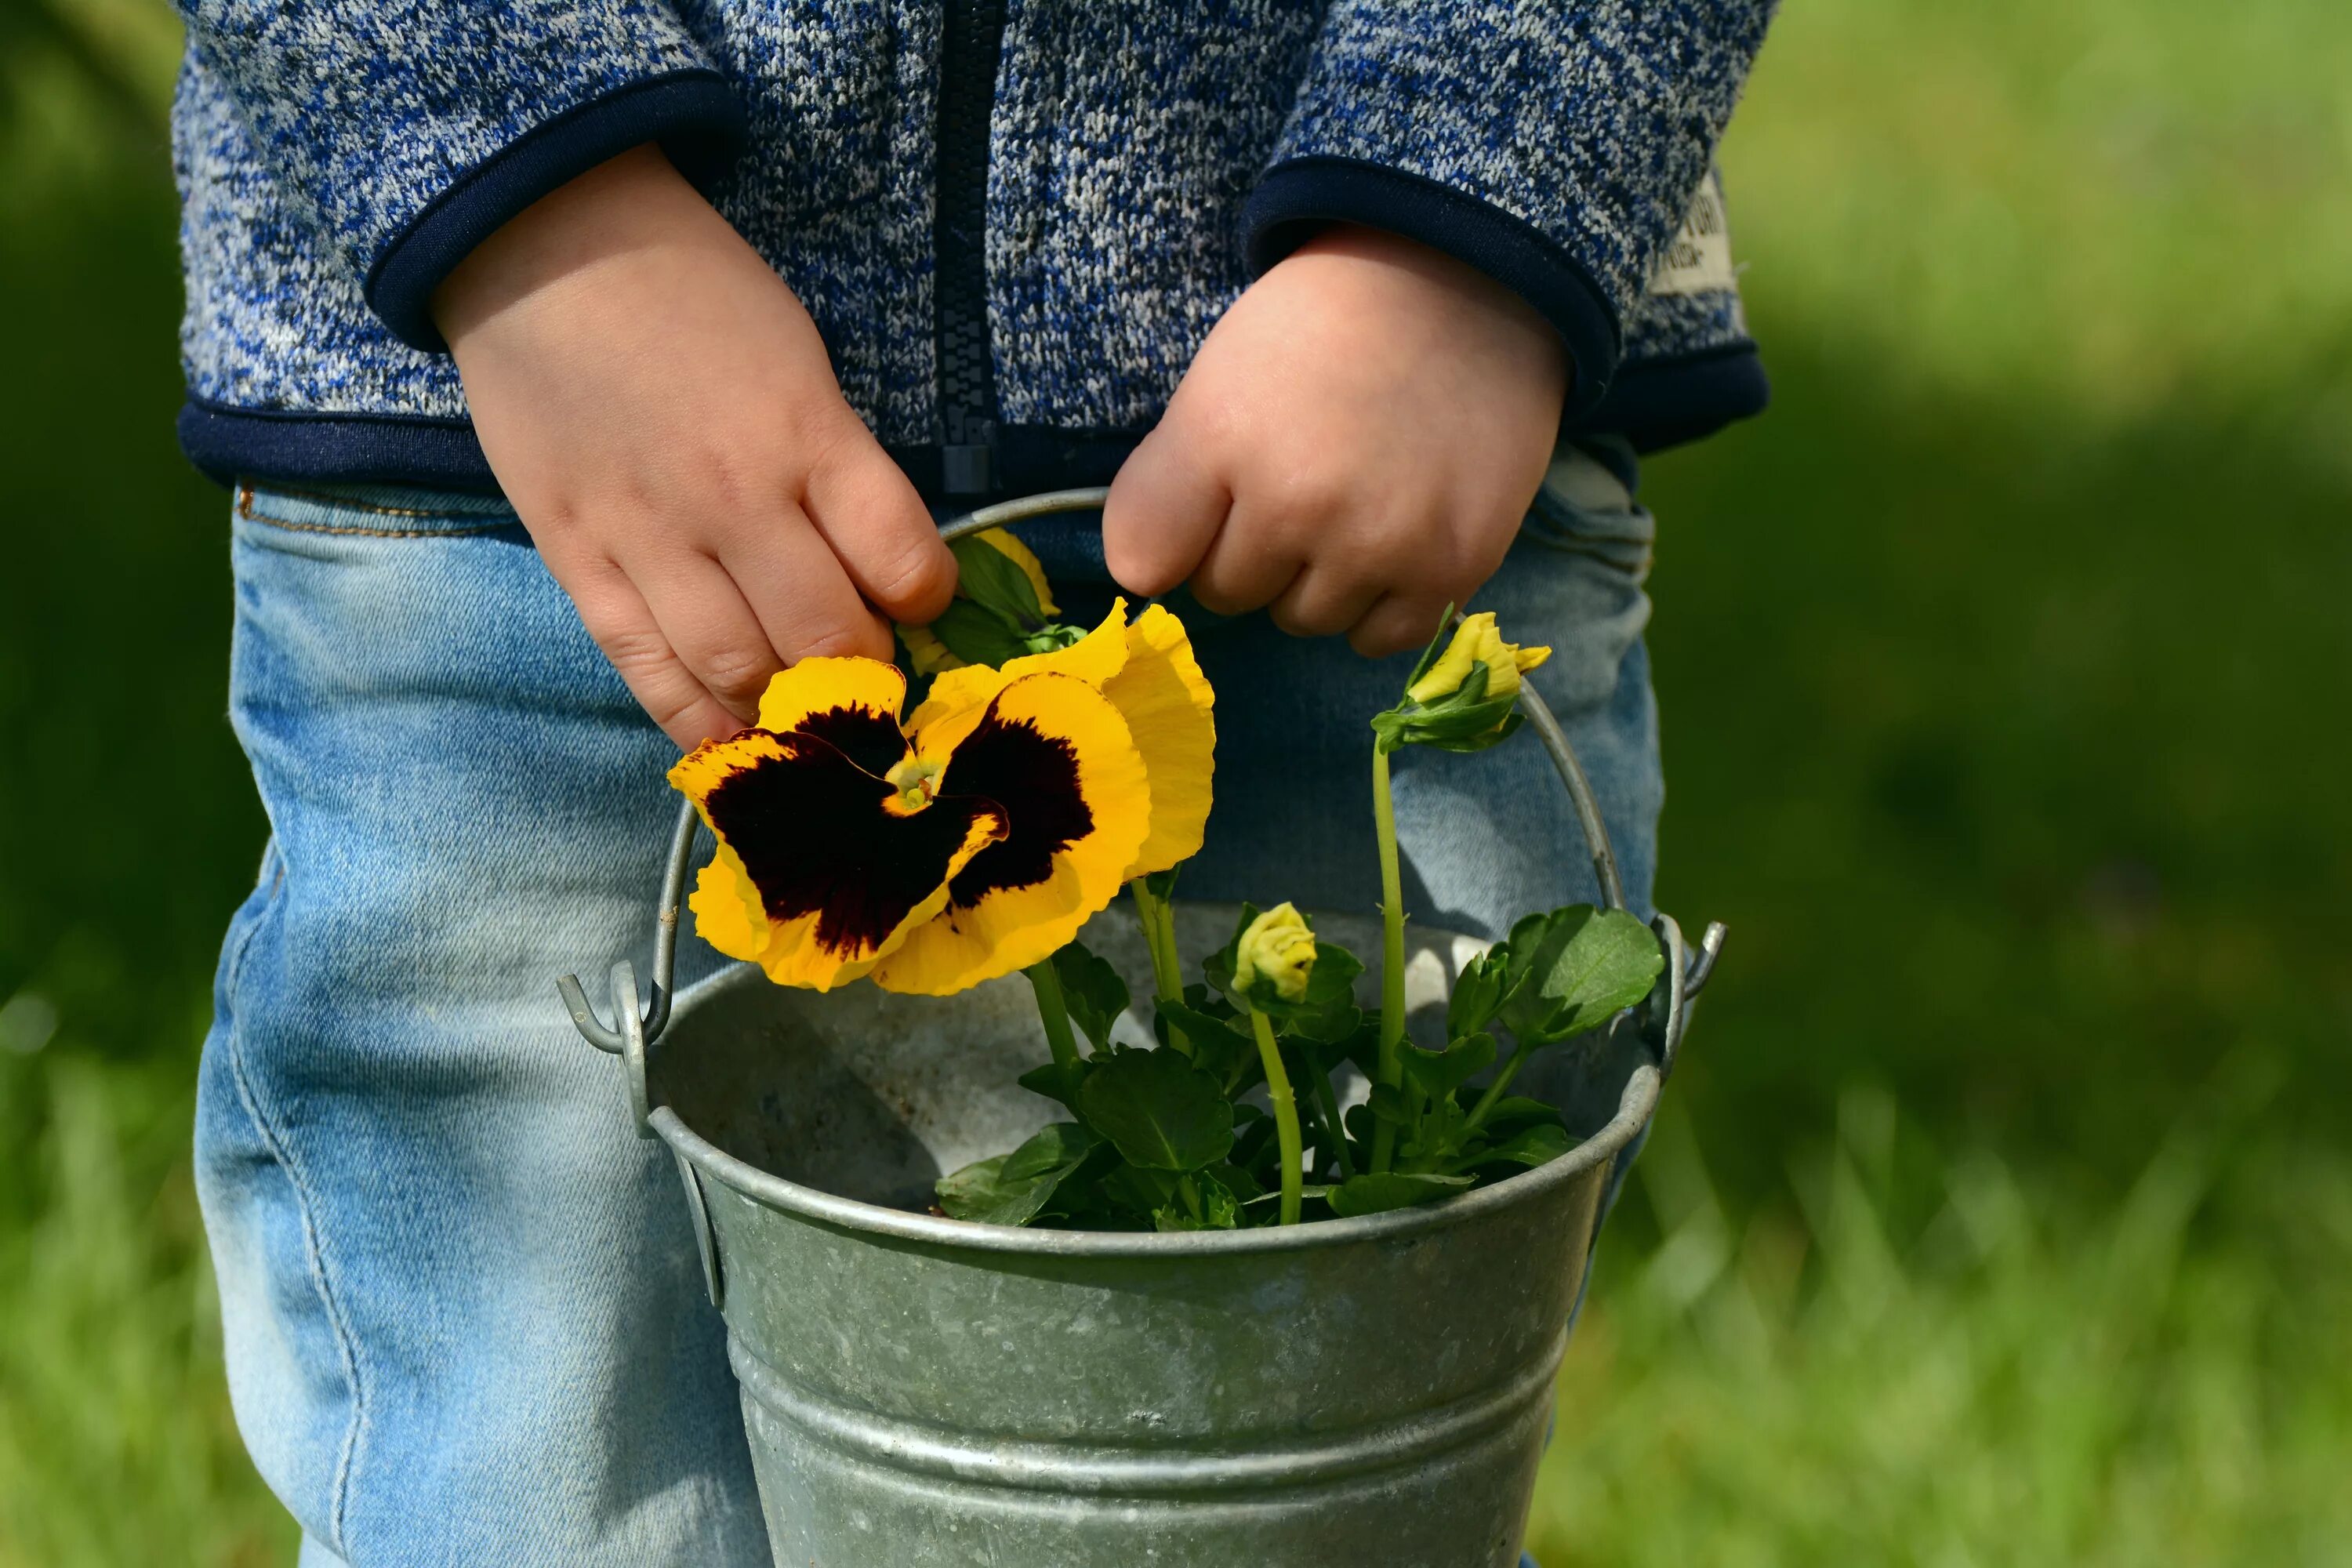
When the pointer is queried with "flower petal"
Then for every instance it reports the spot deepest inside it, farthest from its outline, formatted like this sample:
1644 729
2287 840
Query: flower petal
837 879
1093 659
726 912
1056 756
925 652
852 704
1167 705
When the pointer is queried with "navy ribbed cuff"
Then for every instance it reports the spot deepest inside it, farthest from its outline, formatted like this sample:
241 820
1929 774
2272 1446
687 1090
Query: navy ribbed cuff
693 114
1656 404
1296 197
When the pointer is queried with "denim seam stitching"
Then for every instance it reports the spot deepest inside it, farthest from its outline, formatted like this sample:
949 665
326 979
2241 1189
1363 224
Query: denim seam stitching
247 494
280 1150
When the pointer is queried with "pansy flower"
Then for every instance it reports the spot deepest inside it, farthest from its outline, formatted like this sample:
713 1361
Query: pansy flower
972 839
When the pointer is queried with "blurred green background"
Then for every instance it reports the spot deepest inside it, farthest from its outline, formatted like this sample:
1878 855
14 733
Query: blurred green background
2004 1212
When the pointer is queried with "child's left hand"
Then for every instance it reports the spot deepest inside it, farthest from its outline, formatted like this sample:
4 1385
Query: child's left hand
1354 446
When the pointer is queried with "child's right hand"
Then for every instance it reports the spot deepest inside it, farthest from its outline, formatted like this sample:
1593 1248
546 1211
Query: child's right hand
660 410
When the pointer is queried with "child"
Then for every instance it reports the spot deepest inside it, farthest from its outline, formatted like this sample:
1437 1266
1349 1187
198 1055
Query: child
578 365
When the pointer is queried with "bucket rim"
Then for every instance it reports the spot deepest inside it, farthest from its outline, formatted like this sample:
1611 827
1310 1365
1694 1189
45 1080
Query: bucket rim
1635 1104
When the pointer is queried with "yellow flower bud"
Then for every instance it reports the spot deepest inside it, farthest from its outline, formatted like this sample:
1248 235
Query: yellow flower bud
1276 947
1476 642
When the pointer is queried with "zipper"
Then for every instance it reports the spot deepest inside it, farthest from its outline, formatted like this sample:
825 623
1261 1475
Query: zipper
971 37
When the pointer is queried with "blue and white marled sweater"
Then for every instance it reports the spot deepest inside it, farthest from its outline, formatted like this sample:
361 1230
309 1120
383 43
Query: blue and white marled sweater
1014 220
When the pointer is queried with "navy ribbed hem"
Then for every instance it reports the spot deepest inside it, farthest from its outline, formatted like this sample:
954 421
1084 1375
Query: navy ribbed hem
229 444
1656 404
693 114
1295 197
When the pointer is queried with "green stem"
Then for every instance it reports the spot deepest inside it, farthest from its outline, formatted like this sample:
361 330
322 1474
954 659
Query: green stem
1487 1100
1326 1106
1286 1115
1391 1062
1055 1011
1159 923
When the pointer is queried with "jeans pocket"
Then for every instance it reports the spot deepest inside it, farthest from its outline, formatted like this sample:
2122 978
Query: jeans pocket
371 511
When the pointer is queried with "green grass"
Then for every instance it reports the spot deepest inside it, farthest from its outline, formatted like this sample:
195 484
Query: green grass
2017 1381
2002 1212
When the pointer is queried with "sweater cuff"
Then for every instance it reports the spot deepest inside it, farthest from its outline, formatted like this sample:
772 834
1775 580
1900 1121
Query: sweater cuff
1296 196
694 115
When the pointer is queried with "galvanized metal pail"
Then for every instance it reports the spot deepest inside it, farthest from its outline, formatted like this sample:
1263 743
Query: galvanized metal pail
925 1392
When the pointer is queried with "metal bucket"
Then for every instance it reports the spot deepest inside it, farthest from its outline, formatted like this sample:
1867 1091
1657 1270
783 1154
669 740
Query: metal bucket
925 1392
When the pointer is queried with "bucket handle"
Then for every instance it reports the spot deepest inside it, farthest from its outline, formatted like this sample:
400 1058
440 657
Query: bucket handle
1665 1014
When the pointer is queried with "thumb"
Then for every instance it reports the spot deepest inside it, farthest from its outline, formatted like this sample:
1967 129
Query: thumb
1165 509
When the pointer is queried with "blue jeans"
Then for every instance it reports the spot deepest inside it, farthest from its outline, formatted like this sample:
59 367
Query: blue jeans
464 1316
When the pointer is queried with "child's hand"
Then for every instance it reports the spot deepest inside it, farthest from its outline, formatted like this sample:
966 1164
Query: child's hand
1355 444
660 411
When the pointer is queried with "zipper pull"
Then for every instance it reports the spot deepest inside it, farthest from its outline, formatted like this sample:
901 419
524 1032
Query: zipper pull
968 455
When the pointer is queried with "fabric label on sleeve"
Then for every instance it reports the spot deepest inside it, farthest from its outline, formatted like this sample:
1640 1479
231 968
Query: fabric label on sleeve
1698 261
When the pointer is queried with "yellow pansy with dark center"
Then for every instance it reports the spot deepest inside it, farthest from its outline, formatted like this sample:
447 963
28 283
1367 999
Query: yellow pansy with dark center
1148 670
843 836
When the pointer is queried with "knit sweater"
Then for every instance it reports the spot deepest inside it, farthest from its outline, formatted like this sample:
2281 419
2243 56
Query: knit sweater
1014 221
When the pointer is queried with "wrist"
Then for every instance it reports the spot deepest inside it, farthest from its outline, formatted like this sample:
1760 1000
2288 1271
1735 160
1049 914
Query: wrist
568 236
1486 315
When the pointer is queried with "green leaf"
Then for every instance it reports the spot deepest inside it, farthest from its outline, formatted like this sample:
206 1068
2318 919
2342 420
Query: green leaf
1237 1181
1477 991
1013 1189
988 577
1438 1074
1198 1027
1091 990
1255 1148
1162 885
1220 1046
1574 969
978 635
1138 1188
1056 1081
1537 1145
1052 636
1163 1114
1391 1190
1063 1144
1219 965
1387 1104
976 1189
1515 1110
1220 1207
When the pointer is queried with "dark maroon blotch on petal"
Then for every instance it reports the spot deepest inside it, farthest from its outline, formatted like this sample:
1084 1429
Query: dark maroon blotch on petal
1035 776
810 829
873 741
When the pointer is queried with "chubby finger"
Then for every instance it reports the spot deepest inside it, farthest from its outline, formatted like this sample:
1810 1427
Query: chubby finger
877 527
706 620
803 595
618 618
1395 624
1166 507
1321 601
1249 565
